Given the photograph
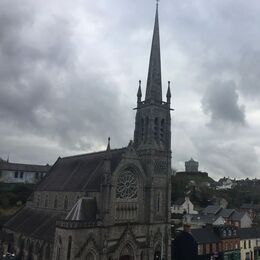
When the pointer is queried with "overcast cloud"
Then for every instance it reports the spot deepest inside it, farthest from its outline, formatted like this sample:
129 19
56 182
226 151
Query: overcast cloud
69 73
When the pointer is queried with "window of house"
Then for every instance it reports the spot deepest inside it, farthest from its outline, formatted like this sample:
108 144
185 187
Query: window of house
245 244
16 174
21 175
249 243
199 249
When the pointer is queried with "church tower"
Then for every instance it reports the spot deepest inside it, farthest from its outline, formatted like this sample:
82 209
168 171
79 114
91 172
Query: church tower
152 124
152 141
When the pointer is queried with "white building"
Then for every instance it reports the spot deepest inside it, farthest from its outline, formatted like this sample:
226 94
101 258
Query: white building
225 184
183 205
249 243
21 173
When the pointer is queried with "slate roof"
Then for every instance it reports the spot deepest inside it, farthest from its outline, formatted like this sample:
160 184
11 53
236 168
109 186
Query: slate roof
237 215
204 235
250 206
84 210
79 173
212 209
247 233
207 219
226 213
8 166
36 223
179 201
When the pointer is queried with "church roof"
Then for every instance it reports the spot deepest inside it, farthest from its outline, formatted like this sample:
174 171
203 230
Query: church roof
80 172
36 223
84 210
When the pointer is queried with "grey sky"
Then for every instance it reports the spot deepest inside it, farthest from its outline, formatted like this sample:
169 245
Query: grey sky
69 73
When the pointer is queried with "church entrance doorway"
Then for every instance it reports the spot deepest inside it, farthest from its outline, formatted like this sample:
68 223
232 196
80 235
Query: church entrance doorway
125 257
157 252
157 255
127 253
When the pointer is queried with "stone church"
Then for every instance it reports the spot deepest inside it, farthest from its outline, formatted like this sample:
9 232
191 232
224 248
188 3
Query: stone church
112 204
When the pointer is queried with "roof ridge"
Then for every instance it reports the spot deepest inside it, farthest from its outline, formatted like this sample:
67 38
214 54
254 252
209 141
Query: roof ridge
27 164
98 152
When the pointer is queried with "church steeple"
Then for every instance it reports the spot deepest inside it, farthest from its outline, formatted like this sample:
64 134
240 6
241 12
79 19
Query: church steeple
154 81
153 120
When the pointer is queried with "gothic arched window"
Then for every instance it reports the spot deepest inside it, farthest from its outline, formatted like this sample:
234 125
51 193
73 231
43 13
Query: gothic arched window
127 185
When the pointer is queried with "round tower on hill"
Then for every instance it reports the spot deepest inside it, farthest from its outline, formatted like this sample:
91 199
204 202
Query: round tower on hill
191 166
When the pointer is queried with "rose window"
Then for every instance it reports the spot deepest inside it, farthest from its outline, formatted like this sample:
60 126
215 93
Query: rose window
126 186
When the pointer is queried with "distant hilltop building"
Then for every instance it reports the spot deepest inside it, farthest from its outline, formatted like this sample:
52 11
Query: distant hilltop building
191 166
21 173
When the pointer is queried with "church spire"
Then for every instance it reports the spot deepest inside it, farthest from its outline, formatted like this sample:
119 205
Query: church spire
154 84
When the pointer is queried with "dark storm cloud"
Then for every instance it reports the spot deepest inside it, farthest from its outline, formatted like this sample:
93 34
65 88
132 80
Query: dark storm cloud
68 77
221 103
45 91
224 158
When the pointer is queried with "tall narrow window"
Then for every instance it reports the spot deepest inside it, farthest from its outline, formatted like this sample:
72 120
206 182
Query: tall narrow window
55 202
146 128
38 201
158 202
66 203
47 252
162 130
69 248
142 129
21 175
16 174
46 201
58 254
155 130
